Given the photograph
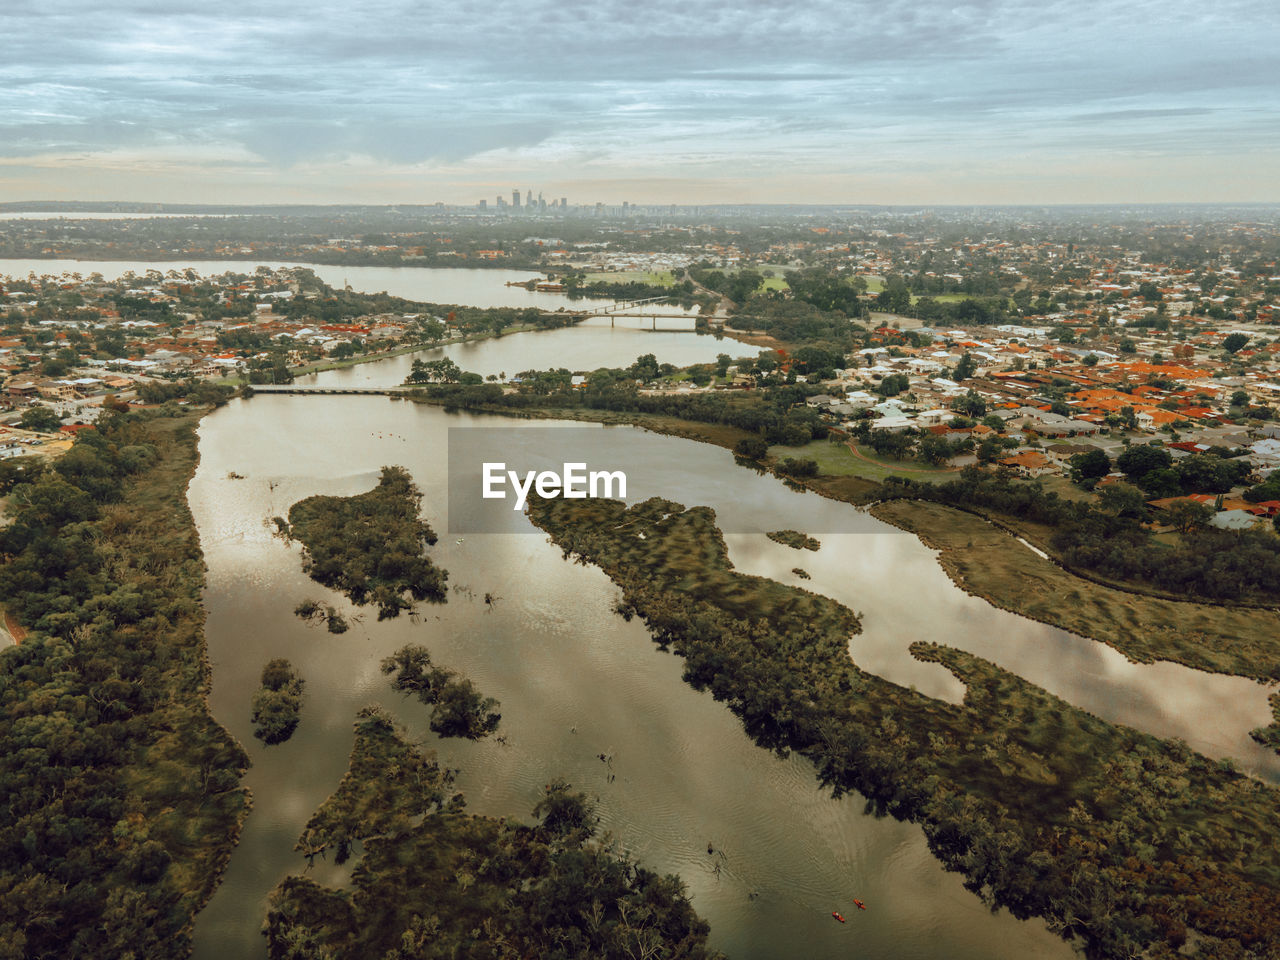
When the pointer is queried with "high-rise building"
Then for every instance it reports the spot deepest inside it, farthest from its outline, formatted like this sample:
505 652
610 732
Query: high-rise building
484 205
528 198
564 203
515 198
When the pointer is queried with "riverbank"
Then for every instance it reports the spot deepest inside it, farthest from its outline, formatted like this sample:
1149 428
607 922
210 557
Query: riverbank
320 366
988 562
1111 835
1269 736
140 774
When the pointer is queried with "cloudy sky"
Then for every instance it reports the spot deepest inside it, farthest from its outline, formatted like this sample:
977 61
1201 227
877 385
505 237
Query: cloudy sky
928 101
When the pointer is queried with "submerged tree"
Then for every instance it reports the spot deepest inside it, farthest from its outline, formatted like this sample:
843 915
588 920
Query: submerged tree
458 709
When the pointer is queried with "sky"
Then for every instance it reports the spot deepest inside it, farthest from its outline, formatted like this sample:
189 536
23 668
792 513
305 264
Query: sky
669 101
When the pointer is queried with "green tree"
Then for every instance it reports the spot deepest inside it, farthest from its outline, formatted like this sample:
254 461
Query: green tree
1122 500
1188 515
971 405
1234 342
893 443
39 418
645 368
1092 465
443 370
934 450
1137 461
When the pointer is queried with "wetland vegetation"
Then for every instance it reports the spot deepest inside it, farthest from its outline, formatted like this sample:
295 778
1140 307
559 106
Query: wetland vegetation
371 546
123 794
312 611
1129 843
435 882
458 709
277 704
1269 736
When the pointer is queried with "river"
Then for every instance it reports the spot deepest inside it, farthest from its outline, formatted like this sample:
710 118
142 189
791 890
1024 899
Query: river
590 344
473 286
594 343
576 681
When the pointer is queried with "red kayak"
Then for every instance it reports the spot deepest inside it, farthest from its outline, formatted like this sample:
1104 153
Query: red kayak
859 904
837 916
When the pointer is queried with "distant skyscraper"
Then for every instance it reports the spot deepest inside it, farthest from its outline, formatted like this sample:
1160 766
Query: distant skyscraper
484 204
515 198
564 203
528 198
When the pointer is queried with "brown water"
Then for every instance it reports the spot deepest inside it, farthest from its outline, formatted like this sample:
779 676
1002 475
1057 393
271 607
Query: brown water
576 681
586 346
473 286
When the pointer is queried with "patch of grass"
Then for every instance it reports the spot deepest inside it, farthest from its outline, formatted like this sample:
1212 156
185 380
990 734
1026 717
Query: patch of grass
941 297
656 278
987 562
835 459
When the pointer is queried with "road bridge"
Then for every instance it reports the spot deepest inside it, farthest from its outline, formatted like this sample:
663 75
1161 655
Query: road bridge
289 388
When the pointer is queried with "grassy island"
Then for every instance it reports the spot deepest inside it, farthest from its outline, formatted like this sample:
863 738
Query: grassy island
1118 838
277 705
123 797
794 539
370 546
436 882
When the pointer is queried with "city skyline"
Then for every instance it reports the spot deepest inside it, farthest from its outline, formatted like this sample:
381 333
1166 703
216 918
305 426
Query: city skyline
998 102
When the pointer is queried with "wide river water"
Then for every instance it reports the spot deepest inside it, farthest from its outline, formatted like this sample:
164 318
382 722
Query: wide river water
596 342
576 681
473 286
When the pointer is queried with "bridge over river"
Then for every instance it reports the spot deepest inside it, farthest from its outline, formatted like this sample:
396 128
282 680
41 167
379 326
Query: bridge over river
328 391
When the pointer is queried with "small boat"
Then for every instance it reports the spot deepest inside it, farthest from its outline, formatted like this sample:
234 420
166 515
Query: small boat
859 904
837 916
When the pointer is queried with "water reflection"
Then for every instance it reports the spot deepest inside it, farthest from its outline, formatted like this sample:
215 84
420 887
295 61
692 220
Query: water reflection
574 681
471 286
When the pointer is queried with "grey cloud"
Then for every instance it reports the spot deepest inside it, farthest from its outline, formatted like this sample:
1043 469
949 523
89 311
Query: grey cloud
409 81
